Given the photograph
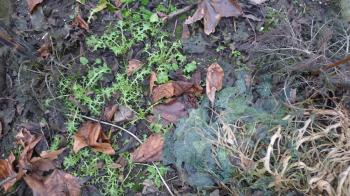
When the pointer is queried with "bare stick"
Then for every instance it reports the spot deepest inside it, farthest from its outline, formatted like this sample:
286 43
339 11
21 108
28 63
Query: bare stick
178 12
8 179
139 140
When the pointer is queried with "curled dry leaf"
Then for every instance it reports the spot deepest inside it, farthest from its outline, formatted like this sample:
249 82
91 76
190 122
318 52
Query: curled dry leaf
152 82
171 89
124 113
171 112
133 66
150 150
32 4
109 112
91 134
118 3
44 50
6 171
212 11
58 183
215 76
80 22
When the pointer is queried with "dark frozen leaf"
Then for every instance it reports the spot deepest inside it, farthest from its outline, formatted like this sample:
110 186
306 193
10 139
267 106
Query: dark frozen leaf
171 112
150 150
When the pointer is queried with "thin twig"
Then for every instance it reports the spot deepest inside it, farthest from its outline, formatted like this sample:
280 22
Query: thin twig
8 179
178 12
139 140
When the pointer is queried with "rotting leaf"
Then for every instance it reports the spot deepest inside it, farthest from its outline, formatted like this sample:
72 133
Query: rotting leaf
6 171
91 134
109 112
118 3
215 76
151 150
171 89
32 4
124 113
44 50
212 11
152 82
133 66
171 112
80 22
58 183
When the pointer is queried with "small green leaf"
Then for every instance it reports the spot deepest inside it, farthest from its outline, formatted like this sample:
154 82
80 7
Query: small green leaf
154 18
83 60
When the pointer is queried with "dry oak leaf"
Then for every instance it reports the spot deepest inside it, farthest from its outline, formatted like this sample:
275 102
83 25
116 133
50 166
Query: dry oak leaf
32 4
7 170
133 66
109 112
152 82
151 150
124 113
212 11
215 76
91 134
171 89
171 112
80 22
58 183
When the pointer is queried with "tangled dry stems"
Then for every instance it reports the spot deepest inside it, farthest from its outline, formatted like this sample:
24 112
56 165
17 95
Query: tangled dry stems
310 155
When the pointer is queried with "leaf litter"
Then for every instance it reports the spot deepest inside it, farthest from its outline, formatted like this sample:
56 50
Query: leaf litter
91 134
32 169
211 11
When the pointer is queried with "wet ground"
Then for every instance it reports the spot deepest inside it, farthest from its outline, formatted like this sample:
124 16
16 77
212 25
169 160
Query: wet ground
26 82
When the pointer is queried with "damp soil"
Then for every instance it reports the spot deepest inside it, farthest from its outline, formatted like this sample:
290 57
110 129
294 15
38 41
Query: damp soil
25 82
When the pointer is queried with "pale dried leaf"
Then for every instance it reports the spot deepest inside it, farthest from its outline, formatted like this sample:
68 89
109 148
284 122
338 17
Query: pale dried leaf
212 11
80 22
109 112
91 134
150 150
32 4
133 66
152 82
171 112
7 170
215 76
124 113
58 183
171 89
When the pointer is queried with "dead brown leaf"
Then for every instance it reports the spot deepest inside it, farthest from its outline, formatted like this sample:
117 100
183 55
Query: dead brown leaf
91 134
215 76
7 170
152 82
151 150
80 22
171 89
171 112
133 66
58 183
185 32
118 3
124 113
32 4
212 11
44 50
109 112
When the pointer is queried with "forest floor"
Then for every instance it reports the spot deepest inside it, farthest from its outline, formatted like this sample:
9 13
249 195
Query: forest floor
174 97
